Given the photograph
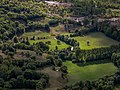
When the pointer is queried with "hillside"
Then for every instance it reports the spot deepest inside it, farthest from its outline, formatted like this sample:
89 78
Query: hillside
59 45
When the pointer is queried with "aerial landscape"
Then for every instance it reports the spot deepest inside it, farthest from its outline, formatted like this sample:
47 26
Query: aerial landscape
59 44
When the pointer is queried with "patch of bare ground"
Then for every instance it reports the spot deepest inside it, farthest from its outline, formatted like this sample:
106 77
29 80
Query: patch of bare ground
55 81
18 55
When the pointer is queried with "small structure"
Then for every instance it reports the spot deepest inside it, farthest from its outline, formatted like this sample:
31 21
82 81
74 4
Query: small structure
72 48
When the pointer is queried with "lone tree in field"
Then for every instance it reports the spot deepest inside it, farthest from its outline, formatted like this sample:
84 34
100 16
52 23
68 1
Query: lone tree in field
56 47
88 43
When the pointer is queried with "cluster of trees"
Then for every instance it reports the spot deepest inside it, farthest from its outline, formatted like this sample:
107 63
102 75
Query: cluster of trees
19 74
10 17
108 30
40 46
24 46
8 28
96 54
87 8
84 56
8 50
31 26
93 7
17 17
110 4
53 22
22 40
31 64
55 60
80 32
38 38
116 59
68 24
67 40
60 10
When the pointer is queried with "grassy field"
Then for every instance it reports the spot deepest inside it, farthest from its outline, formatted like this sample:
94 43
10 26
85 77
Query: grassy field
49 38
36 34
96 40
90 72
53 43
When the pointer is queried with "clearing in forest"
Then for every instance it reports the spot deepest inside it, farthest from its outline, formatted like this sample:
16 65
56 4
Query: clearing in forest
96 40
45 38
89 72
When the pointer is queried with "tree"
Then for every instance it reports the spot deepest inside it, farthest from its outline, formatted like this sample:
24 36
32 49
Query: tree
86 21
1 59
39 86
115 34
47 28
27 41
77 52
88 43
7 85
88 85
1 82
64 69
56 47
58 42
15 39
16 71
20 81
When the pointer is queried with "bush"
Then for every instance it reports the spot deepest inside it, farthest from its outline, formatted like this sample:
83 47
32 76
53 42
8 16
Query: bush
53 22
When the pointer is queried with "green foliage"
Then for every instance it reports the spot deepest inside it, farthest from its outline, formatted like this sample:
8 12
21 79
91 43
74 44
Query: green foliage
108 30
116 59
68 40
103 83
13 76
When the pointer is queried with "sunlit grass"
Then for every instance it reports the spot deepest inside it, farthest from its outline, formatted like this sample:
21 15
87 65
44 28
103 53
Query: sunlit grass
53 43
96 40
90 72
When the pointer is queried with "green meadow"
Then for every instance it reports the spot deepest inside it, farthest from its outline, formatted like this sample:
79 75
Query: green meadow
96 40
89 72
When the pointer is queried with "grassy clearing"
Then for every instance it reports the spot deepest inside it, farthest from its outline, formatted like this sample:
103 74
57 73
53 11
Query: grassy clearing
36 34
96 40
90 72
49 38
53 43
